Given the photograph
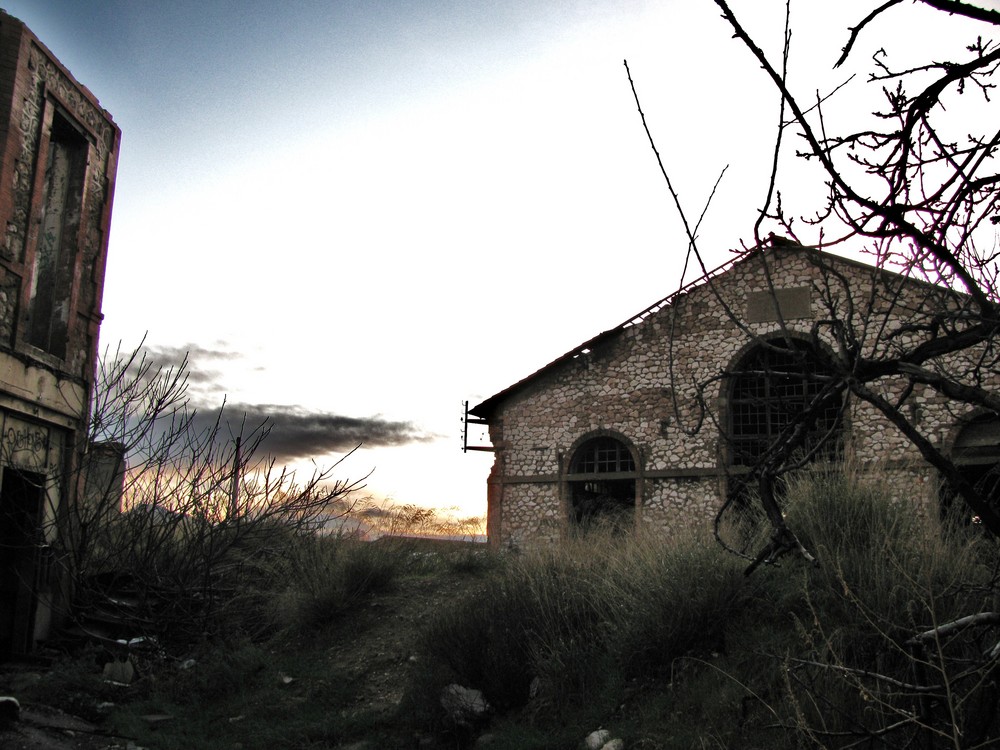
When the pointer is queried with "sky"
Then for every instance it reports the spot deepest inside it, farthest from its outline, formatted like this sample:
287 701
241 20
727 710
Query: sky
355 216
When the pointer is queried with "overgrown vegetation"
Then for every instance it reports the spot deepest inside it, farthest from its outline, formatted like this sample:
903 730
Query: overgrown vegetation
181 523
668 645
572 625
329 576
291 680
674 648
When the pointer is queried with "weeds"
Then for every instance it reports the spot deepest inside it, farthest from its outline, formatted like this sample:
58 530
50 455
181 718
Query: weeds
329 575
245 695
883 658
675 646
891 642
572 627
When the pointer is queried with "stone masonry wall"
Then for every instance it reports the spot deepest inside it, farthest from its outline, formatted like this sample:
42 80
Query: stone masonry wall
640 384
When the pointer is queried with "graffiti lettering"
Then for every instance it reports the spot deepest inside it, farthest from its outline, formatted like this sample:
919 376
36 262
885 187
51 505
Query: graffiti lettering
26 439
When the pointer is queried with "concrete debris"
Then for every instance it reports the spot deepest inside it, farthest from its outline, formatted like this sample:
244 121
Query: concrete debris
596 740
119 672
602 739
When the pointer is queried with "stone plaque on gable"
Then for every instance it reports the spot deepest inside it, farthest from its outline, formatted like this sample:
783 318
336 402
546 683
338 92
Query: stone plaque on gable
793 302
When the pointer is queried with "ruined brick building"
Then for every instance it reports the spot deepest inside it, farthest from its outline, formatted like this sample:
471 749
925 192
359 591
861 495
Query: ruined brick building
605 428
57 174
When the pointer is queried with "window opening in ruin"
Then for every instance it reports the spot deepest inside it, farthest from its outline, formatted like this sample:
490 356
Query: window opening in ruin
602 484
55 253
20 517
977 455
770 389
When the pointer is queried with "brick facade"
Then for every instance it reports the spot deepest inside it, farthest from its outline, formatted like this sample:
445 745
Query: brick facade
58 159
637 383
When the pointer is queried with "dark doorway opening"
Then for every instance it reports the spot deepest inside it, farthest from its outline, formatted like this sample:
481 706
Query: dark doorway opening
21 496
608 502
977 455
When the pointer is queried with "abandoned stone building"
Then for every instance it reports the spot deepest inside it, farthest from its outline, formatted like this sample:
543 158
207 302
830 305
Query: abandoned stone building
57 176
607 427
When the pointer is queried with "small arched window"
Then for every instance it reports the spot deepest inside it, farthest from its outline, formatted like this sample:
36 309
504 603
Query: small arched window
602 455
602 482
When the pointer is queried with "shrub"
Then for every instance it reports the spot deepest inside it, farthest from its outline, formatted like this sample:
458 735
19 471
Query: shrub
330 574
888 575
675 600
571 625
671 638
183 522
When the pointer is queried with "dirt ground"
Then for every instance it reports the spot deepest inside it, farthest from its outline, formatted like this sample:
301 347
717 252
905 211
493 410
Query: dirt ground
384 636
376 648
46 728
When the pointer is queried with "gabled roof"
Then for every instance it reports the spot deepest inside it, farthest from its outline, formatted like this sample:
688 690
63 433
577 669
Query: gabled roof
488 407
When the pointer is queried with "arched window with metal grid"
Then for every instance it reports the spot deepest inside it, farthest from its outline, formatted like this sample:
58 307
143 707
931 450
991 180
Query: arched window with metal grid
773 386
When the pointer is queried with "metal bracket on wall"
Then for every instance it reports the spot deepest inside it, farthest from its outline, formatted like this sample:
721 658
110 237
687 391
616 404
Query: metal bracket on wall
466 421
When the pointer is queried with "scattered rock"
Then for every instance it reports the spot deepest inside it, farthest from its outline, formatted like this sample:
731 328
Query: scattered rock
615 744
465 707
596 740
10 710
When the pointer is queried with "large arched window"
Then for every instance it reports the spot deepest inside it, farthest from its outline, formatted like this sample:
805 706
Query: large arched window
771 387
602 481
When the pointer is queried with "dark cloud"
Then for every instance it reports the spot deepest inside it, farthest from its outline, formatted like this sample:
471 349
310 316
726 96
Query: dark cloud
293 431
174 355
297 433
195 355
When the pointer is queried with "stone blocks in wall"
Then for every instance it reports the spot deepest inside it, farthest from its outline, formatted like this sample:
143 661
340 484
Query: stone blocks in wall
641 385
